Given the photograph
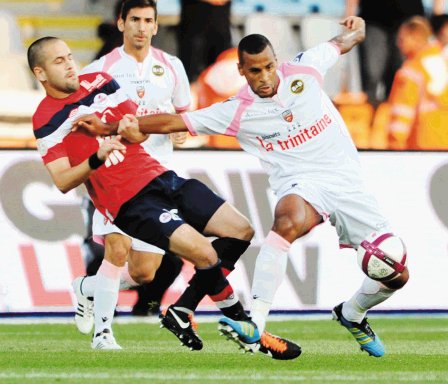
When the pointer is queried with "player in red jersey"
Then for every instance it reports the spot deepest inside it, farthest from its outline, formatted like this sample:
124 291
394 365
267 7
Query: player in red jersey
142 197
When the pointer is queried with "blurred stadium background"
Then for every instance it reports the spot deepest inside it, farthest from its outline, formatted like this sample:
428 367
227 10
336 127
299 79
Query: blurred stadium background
41 230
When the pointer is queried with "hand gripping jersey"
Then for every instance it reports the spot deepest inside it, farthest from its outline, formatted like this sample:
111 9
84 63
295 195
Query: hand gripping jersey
297 134
123 175
158 85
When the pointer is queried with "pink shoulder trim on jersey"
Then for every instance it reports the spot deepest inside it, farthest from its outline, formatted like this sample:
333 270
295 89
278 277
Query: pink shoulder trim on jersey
335 46
188 124
158 54
288 69
110 59
275 240
245 101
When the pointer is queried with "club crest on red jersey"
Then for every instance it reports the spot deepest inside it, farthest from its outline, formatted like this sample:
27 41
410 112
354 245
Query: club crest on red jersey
287 115
158 70
297 86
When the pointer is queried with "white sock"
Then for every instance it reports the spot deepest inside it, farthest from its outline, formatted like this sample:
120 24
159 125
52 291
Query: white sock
270 269
106 295
370 294
126 282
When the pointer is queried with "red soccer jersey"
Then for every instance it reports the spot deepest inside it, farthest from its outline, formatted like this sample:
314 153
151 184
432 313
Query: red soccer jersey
122 176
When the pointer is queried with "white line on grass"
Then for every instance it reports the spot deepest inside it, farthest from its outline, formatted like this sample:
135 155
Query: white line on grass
299 377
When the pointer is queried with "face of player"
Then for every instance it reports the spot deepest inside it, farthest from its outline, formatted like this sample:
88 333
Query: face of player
58 72
138 28
260 72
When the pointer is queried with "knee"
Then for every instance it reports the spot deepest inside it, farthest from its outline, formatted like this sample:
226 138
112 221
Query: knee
241 229
143 269
143 275
398 282
245 231
117 251
289 227
204 255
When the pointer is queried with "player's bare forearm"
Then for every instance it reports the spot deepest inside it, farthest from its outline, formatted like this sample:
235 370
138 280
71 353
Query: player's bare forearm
353 34
66 177
162 123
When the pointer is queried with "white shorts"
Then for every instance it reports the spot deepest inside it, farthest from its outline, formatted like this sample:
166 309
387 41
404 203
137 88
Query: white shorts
101 227
353 211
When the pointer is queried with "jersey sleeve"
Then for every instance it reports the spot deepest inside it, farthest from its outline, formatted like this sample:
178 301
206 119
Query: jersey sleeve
322 57
50 135
181 95
218 119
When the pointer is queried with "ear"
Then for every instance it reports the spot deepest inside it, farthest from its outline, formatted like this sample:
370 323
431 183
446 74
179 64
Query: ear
120 24
40 74
240 69
156 29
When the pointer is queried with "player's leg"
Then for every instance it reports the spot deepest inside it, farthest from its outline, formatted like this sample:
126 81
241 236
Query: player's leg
294 217
117 247
234 234
159 215
209 280
151 294
154 270
357 217
142 267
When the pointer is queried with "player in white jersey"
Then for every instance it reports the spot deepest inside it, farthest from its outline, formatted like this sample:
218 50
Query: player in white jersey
156 82
285 119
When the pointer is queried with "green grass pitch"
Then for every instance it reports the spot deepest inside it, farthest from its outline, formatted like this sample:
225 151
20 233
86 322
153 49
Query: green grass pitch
417 352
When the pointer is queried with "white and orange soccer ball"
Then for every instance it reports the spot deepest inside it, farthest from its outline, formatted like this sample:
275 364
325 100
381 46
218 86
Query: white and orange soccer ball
382 256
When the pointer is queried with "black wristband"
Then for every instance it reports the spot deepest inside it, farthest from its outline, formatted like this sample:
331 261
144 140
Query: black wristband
95 162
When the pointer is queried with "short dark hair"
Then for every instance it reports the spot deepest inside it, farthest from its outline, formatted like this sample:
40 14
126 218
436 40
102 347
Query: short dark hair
34 55
252 44
131 4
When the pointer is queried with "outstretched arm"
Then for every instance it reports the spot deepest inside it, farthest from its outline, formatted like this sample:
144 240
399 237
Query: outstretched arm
131 127
160 123
354 33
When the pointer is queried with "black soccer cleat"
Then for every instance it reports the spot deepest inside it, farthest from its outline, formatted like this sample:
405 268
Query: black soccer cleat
179 323
278 348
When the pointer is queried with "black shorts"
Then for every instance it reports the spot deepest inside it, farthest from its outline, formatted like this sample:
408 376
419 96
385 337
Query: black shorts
163 205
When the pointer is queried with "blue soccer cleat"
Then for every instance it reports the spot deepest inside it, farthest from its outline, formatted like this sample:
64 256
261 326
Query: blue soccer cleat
244 333
363 334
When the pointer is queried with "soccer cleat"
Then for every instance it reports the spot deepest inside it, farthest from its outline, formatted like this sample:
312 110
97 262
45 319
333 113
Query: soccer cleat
179 323
363 334
244 333
84 311
104 340
278 348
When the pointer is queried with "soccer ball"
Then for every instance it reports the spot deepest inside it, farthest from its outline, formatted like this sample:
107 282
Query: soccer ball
382 256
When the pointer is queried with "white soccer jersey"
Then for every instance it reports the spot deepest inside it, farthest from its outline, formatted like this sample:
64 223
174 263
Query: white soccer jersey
158 85
298 134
